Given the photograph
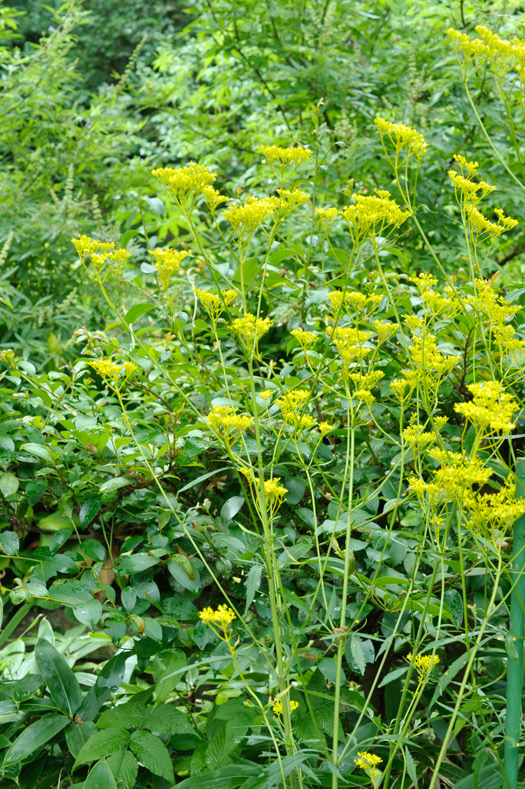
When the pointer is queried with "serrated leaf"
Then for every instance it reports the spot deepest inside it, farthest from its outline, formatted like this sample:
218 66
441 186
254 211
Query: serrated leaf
166 719
153 754
125 716
124 767
101 744
59 678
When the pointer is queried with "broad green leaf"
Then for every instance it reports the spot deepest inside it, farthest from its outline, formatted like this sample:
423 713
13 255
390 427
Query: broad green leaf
100 777
77 734
108 682
136 563
59 538
89 509
230 777
124 767
36 735
125 716
38 450
231 507
8 484
153 754
166 719
10 542
114 484
253 579
88 613
59 678
102 744
136 312
183 572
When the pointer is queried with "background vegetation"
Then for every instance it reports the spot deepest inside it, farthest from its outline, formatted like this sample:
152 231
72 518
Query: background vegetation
124 513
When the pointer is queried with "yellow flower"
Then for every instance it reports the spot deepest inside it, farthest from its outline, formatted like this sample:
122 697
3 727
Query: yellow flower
423 663
250 329
87 246
326 216
213 303
167 261
278 707
274 493
368 762
350 343
291 405
227 423
483 227
246 218
491 408
403 137
306 339
110 370
222 617
284 156
185 182
292 198
212 197
325 427
372 214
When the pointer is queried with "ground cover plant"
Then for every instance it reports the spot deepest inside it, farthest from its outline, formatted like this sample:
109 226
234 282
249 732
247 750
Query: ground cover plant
264 529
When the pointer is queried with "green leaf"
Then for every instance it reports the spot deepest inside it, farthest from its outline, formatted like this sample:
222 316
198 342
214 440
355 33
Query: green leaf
167 719
94 550
100 777
231 507
356 652
59 678
183 572
230 777
38 450
136 312
89 509
8 484
124 767
247 272
114 484
59 538
169 668
125 716
88 613
153 754
136 563
77 734
108 681
102 743
36 735
10 542
253 579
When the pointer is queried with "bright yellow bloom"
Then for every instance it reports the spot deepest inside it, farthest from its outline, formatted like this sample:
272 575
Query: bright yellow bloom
372 214
212 197
325 427
278 707
87 246
246 218
291 405
491 407
167 261
423 663
213 303
483 227
403 137
227 423
469 189
292 198
185 182
350 343
326 216
223 616
110 370
250 329
307 339
368 762
274 493
284 156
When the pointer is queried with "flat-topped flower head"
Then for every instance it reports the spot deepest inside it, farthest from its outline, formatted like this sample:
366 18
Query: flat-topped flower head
219 620
213 303
246 218
368 762
403 138
306 339
167 261
250 329
326 216
110 370
292 404
423 663
278 707
491 408
290 198
274 492
185 182
284 157
227 423
87 246
373 214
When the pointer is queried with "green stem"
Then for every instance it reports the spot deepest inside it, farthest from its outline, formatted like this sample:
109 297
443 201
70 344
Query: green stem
516 625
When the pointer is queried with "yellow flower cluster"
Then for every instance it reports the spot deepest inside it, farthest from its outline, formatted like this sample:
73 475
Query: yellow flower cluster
492 514
385 330
250 329
454 480
227 423
167 261
495 313
402 389
417 437
212 197
278 707
284 157
428 361
223 616
110 370
491 408
292 198
344 299
100 252
326 216
325 427
468 189
368 762
403 138
291 404
274 492
246 218
372 214
367 380
306 339
350 343
423 663
185 182
213 303
504 55
483 227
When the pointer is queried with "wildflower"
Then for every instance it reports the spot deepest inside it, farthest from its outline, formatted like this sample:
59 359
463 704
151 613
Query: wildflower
227 423
368 762
306 339
483 227
267 394
219 620
167 261
291 405
326 216
284 157
403 137
372 214
492 514
212 197
278 707
250 329
350 343
367 380
415 435
290 199
110 370
365 395
423 663
184 183
402 388
491 408
87 246
213 303
325 427
246 218
385 330
274 493
428 361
